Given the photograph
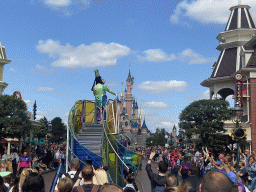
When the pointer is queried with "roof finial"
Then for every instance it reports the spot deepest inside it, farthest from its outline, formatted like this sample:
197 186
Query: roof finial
122 94
129 75
239 2
140 113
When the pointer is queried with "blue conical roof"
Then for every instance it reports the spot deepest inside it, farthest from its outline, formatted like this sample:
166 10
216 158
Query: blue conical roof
129 74
136 105
129 78
123 111
135 125
144 124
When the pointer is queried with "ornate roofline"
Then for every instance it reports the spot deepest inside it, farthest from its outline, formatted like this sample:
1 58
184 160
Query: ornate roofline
239 6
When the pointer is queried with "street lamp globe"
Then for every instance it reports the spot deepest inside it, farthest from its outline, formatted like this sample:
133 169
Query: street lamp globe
166 136
237 113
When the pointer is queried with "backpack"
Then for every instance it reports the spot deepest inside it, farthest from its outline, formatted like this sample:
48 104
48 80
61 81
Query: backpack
159 189
81 189
174 171
74 179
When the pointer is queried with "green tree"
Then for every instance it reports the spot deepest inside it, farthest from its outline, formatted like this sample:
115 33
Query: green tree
58 130
157 138
14 121
206 118
45 122
34 110
42 130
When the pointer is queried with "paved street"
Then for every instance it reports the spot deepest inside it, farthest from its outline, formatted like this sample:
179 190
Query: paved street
143 177
48 179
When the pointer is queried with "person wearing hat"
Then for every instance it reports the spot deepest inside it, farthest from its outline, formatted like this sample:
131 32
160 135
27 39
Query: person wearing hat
99 90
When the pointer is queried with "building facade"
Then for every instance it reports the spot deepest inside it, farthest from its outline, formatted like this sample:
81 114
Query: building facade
130 120
234 73
3 61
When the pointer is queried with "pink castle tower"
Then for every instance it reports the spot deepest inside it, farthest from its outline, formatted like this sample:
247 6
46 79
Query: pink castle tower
128 94
130 119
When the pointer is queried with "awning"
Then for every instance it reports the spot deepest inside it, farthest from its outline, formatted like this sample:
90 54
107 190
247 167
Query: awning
4 141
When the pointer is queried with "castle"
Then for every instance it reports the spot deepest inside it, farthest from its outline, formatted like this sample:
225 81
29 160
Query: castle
130 119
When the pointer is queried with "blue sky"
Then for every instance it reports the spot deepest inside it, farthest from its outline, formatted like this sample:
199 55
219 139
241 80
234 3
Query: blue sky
55 45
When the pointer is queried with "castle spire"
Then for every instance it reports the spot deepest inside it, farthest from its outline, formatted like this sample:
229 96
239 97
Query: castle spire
144 124
129 74
122 94
140 113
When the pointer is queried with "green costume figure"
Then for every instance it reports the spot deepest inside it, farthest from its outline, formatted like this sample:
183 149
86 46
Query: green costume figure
99 91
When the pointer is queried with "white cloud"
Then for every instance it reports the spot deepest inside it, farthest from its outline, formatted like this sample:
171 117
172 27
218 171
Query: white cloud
12 70
66 114
58 2
156 55
231 101
45 89
190 56
155 87
207 11
206 95
187 55
40 69
111 84
29 103
64 8
87 56
154 104
168 124
148 113
41 114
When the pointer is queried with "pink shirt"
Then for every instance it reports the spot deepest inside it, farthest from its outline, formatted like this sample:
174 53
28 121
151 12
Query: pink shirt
24 161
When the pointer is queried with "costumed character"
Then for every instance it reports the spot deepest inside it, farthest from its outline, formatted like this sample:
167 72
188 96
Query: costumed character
99 91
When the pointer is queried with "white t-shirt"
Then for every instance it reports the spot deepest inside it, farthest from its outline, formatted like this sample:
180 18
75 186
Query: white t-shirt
57 155
129 185
72 175
5 157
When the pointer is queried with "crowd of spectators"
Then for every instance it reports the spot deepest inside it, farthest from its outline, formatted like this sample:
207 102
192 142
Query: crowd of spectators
179 170
200 170
43 158
18 170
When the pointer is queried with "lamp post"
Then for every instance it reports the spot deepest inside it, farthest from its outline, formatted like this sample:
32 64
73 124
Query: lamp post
238 133
166 137
166 143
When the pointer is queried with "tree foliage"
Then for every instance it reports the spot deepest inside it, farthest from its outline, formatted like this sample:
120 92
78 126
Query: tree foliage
14 121
206 118
157 138
42 130
34 110
58 130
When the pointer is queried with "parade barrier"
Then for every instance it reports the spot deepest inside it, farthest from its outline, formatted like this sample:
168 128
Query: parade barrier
115 155
57 175
81 114
85 137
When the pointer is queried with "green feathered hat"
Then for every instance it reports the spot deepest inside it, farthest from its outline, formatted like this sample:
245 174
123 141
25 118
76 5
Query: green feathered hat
97 74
